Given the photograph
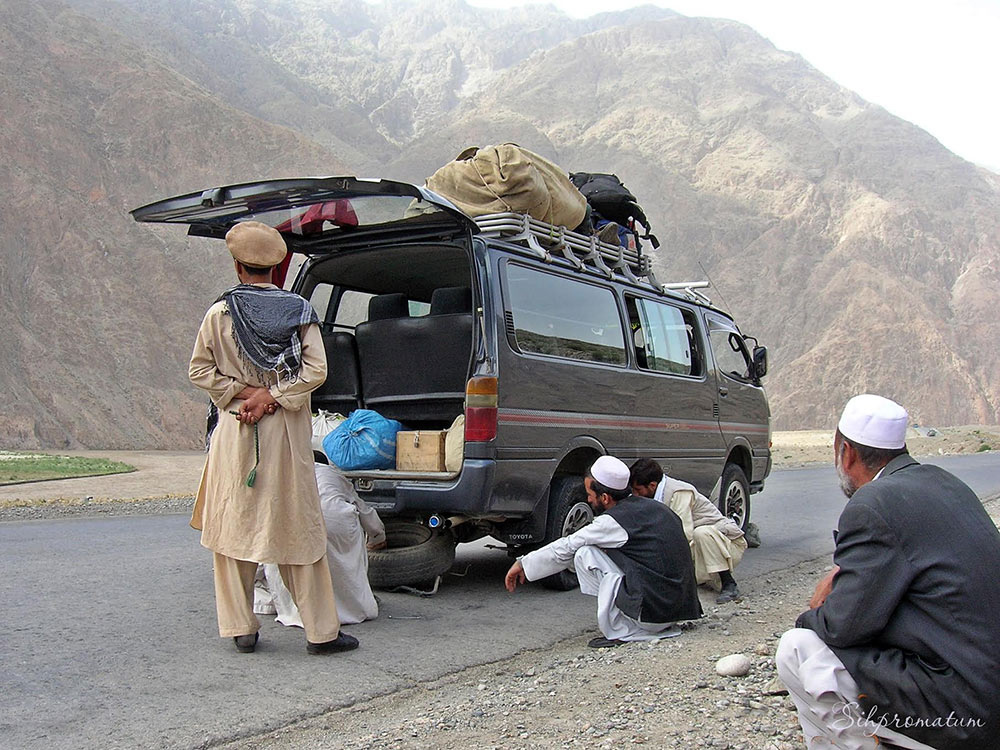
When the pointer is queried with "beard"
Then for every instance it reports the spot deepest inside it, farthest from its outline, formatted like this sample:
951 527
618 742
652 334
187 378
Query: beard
847 485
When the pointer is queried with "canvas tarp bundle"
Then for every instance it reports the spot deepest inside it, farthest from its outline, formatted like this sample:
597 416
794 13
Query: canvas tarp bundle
503 178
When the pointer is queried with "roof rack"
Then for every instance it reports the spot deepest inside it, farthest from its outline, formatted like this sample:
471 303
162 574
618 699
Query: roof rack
585 252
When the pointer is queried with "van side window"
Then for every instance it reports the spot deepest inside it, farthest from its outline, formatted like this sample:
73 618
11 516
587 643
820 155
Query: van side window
563 317
352 308
320 299
731 355
664 337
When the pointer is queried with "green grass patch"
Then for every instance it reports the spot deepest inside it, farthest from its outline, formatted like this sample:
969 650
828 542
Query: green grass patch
983 448
36 467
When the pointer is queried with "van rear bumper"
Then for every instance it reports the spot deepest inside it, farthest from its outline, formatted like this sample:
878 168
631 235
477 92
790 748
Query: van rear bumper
468 493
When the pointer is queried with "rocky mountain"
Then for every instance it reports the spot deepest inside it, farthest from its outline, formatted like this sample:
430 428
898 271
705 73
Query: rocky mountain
99 313
862 252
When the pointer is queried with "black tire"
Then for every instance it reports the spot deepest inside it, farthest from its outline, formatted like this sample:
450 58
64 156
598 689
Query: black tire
568 512
415 554
734 495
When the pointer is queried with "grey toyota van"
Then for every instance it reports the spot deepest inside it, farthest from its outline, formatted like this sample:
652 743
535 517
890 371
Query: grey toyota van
555 347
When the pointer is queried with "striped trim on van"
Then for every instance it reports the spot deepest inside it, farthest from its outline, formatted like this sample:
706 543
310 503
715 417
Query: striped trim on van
538 418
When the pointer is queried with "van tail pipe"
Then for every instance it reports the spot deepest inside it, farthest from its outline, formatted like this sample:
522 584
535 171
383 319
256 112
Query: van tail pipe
440 522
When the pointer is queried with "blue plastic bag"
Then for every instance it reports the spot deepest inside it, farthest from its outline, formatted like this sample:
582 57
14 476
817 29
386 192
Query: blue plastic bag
365 440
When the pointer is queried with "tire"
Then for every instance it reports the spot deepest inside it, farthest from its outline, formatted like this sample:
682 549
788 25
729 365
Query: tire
734 495
415 554
568 512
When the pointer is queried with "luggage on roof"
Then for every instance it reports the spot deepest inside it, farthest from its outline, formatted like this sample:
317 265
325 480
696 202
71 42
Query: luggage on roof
508 178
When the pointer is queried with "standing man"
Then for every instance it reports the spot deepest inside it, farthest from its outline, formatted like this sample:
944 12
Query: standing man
259 354
717 543
633 557
901 640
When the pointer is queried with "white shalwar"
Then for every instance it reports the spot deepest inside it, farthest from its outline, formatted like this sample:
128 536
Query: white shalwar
598 575
826 697
348 522
717 543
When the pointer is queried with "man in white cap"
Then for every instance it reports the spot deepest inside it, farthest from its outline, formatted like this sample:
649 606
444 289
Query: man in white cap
633 557
899 647
259 354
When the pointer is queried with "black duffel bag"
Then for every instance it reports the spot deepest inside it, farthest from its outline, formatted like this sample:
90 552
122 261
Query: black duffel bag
609 198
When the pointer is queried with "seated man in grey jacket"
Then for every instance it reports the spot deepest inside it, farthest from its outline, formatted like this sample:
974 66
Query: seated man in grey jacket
717 543
900 644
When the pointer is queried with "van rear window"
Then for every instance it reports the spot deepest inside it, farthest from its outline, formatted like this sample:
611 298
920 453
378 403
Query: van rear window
561 317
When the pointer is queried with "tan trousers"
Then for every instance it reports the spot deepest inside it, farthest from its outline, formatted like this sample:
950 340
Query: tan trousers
827 697
310 586
713 551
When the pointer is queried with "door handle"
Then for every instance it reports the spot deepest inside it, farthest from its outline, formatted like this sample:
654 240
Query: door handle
723 391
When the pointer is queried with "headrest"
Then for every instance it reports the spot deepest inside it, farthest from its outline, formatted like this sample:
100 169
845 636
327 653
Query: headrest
387 306
451 299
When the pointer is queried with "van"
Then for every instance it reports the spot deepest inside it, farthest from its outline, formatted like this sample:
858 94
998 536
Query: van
555 348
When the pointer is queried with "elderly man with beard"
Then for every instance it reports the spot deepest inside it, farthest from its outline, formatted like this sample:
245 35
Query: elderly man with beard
899 646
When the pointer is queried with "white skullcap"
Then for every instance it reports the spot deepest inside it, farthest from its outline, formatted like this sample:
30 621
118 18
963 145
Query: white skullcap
874 421
611 472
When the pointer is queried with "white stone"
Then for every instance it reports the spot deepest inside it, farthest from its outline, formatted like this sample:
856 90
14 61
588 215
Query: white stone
734 665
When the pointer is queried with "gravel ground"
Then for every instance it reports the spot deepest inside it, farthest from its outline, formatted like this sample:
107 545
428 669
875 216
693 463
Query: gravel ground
665 694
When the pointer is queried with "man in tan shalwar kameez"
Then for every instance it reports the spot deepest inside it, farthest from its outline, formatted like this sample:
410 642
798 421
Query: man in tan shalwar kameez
259 354
717 542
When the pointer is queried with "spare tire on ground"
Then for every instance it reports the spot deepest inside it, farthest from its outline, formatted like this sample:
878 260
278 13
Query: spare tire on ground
415 554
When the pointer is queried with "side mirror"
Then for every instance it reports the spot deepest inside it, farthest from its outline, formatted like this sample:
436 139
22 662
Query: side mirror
759 362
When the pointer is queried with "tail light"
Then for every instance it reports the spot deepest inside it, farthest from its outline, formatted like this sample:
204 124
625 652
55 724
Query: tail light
480 409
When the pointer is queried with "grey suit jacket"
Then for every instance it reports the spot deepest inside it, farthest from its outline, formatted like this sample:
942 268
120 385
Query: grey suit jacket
914 613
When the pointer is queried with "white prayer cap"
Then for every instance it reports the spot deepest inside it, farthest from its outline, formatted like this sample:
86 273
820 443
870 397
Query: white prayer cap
611 472
874 421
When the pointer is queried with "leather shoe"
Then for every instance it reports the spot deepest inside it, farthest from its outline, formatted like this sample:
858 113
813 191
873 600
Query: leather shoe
729 593
602 642
246 644
342 642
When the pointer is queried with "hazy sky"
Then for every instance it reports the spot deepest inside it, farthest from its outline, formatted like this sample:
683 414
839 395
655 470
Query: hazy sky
936 64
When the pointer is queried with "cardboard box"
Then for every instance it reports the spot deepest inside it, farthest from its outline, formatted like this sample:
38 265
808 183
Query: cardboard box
420 450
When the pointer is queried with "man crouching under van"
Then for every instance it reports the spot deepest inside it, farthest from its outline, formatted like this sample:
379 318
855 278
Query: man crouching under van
633 557
717 543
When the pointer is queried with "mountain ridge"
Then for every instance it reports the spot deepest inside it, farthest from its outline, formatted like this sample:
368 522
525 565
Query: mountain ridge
863 253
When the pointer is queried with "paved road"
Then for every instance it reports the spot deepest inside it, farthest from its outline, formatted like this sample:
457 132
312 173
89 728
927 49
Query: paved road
107 626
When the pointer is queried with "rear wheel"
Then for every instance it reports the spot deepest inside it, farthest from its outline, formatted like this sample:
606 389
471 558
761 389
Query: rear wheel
569 511
414 554
734 495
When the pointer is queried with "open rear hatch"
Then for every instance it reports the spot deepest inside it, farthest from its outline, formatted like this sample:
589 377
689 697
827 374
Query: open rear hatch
317 215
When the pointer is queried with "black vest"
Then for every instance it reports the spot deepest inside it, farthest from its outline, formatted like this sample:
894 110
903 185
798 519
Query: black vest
659 584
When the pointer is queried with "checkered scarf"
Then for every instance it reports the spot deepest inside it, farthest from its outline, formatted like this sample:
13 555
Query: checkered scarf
266 324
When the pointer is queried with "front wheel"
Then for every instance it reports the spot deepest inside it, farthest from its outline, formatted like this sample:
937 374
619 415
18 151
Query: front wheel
569 511
734 496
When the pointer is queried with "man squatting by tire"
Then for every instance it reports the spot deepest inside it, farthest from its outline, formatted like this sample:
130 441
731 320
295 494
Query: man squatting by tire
259 354
900 643
717 543
633 557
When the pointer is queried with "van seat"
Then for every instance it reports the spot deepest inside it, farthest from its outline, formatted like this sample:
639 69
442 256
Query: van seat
415 369
388 306
342 390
